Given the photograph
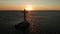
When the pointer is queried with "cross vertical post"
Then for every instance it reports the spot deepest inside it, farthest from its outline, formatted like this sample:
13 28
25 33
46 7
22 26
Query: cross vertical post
24 15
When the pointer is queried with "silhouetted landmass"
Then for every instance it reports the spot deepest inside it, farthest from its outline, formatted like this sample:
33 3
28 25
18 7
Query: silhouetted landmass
42 22
23 25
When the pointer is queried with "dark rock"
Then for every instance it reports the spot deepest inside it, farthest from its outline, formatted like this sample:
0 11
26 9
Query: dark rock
22 25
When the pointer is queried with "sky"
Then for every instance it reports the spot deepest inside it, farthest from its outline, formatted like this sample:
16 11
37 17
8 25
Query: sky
35 4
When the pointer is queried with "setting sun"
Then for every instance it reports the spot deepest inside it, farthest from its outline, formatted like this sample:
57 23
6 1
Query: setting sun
29 7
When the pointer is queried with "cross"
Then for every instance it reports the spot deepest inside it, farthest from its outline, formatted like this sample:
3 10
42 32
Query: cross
25 15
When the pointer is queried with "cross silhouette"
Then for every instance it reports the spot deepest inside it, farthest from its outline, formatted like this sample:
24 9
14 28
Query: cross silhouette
25 15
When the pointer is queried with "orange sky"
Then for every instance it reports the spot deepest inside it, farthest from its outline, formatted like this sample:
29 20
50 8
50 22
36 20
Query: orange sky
33 8
35 4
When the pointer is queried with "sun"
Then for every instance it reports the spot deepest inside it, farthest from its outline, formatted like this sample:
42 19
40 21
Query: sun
28 7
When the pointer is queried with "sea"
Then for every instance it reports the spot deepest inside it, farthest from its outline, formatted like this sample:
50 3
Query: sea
41 21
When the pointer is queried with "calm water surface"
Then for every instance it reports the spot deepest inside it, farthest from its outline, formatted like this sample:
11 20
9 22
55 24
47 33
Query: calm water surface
41 22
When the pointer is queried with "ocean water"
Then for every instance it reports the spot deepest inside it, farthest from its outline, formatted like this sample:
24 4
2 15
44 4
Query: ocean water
41 22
